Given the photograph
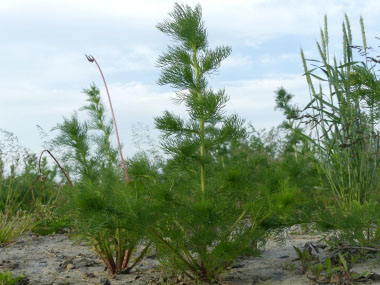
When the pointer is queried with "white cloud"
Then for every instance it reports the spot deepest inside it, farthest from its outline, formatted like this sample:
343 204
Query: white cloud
140 99
256 21
132 58
285 57
37 64
257 95
237 61
84 10
43 42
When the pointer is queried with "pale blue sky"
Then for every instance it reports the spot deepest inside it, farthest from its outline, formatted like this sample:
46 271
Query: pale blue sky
43 68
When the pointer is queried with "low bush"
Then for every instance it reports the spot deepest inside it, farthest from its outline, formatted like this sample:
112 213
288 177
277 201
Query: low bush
12 225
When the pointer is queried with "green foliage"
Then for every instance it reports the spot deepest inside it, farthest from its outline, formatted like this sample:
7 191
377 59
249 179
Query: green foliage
337 130
221 193
109 214
325 271
19 187
336 269
12 225
354 222
185 67
337 272
305 258
51 218
296 141
344 119
23 194
74 137
7 278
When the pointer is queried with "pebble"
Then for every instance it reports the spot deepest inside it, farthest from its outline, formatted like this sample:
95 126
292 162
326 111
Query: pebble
70 266
105 281
90 275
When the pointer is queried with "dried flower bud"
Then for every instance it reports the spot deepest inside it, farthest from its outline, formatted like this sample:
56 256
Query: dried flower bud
90 58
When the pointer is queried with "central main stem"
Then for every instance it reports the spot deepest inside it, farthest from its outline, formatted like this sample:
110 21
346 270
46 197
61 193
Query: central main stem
201 123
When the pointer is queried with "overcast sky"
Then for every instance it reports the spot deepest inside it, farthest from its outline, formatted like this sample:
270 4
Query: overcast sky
43 68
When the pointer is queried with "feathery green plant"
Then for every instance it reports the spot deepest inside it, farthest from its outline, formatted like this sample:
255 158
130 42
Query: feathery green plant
186 67
207 224
111 215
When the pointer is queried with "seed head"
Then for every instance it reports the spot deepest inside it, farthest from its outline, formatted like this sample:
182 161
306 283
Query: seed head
90 58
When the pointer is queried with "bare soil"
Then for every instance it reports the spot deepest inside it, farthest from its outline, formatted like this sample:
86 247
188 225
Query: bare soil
55 259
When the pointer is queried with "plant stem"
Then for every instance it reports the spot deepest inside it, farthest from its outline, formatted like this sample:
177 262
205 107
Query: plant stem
203 152
201 123
101 252
56 161
119 252
90 58
170 247
141 256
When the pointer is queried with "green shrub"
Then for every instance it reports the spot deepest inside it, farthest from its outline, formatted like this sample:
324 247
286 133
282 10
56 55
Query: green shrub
109 213
8 278
12 225
214 206
19 173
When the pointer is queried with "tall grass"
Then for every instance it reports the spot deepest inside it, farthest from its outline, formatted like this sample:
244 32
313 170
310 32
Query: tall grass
24 200
342 116
13 221
12 225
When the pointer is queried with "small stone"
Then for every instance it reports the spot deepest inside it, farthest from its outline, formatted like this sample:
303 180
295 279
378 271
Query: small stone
277 276
63 231
68 260
374 276
90 275
152 256
84 262
264 278
137 277
23 281
237 265
70 266
105 281
14 266
20 243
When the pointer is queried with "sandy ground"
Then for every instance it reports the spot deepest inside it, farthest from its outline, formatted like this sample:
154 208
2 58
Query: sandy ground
55 259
